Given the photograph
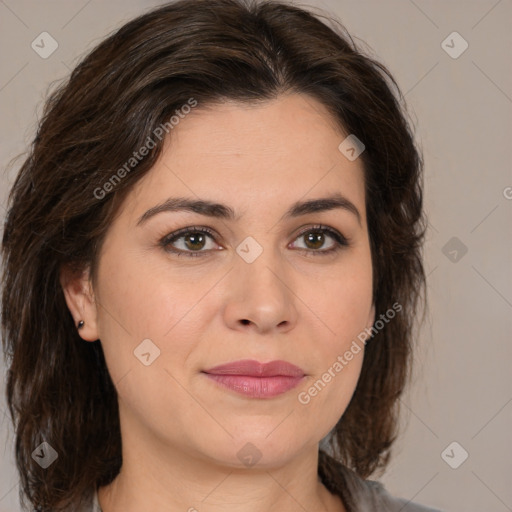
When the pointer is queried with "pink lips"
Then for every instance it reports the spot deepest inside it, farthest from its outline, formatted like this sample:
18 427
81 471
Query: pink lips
257 380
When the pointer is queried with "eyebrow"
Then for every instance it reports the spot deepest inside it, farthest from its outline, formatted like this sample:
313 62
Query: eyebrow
222 211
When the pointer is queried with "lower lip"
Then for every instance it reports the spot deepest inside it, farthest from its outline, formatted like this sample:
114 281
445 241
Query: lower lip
256 387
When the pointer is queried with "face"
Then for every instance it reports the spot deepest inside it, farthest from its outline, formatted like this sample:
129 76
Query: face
271 282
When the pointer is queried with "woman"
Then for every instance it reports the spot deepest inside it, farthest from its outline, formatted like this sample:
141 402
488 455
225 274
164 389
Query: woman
212 270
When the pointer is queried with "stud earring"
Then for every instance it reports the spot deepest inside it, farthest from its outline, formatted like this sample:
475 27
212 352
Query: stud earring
81 324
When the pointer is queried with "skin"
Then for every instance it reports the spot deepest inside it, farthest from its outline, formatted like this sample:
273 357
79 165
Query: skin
181 432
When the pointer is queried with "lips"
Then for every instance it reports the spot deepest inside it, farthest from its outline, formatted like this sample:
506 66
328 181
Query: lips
251 368
257 380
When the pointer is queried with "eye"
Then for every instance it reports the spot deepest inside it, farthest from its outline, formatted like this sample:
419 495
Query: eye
315 238
194 241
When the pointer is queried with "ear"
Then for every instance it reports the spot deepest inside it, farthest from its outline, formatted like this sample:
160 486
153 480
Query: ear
79 296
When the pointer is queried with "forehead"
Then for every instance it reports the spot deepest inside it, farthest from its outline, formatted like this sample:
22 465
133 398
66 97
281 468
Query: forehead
250 154
293 126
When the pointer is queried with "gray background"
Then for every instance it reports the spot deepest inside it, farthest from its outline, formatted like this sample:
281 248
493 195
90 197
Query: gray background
462 107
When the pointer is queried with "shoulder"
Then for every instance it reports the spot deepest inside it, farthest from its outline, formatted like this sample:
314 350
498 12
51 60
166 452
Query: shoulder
371 496
393 504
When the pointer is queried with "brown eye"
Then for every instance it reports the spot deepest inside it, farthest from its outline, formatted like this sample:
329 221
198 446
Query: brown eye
189 242
194 241
315 238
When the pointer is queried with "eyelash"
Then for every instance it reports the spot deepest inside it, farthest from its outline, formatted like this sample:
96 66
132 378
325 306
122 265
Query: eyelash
167 240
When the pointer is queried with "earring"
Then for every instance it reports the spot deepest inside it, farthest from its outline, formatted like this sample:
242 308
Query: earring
80 324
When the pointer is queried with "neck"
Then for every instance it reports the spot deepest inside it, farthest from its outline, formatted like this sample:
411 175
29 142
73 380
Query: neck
167 479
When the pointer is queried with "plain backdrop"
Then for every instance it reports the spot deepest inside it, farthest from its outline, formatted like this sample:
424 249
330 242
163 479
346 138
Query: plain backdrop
461 102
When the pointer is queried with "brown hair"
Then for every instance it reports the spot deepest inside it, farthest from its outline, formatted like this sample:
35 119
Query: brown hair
58 388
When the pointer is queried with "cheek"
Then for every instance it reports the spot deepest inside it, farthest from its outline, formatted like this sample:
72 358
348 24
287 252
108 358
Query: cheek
147 299
327 394
144 310
337 359
343 301
141 300
342 305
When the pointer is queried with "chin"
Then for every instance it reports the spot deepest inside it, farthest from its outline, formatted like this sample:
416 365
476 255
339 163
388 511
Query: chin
261 451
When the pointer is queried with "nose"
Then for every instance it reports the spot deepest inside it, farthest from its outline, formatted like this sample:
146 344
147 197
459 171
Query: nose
261 295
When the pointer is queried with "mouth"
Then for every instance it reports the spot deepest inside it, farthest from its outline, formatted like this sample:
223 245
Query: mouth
257 380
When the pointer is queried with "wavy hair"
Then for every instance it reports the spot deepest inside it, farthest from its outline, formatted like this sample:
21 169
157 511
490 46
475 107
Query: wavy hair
58 387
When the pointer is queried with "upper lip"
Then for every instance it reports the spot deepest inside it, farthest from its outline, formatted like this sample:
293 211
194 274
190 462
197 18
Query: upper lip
252 368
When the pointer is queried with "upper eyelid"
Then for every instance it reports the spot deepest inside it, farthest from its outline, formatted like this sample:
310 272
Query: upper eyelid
171 237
